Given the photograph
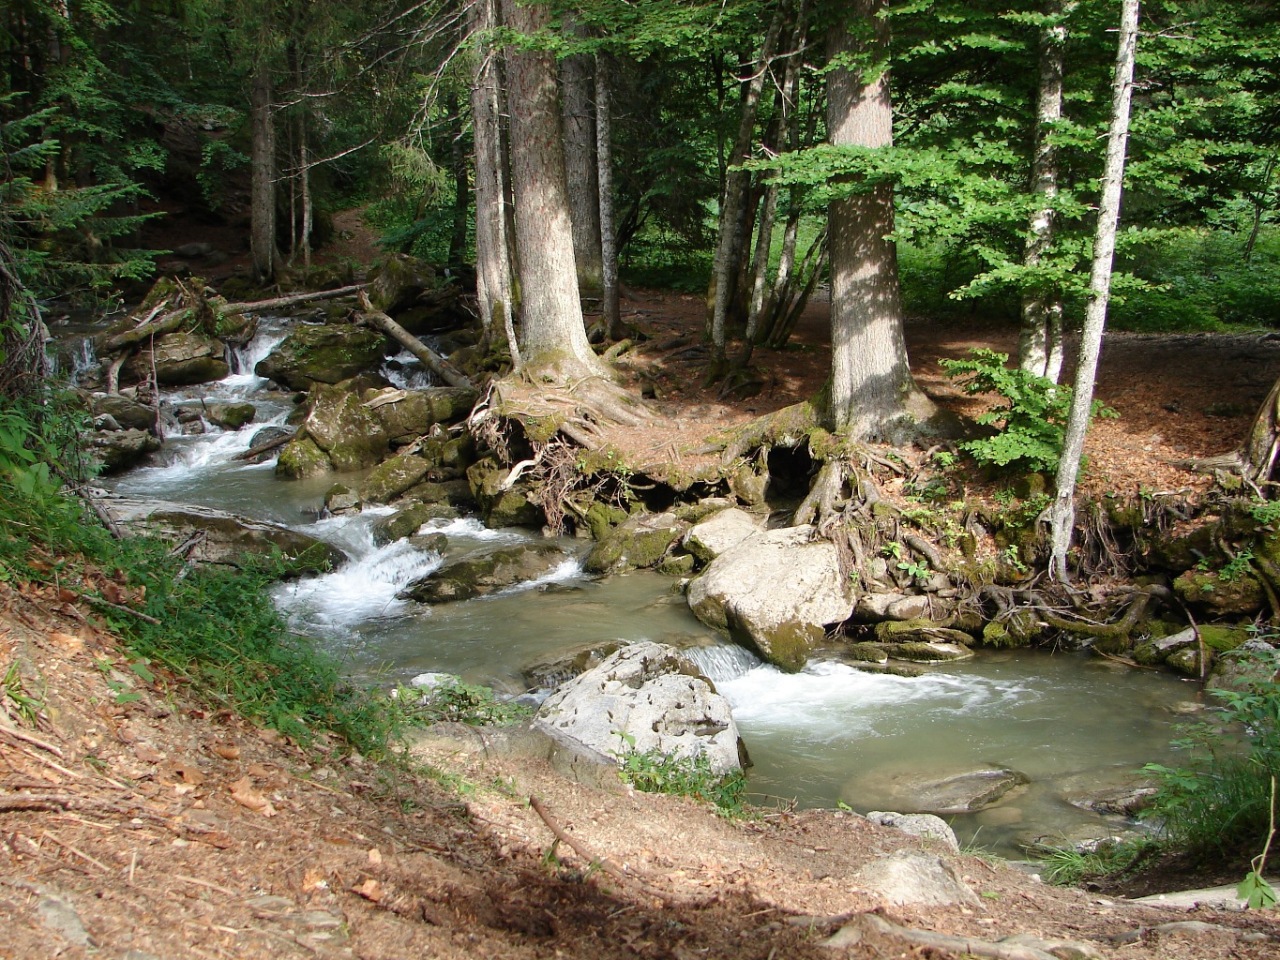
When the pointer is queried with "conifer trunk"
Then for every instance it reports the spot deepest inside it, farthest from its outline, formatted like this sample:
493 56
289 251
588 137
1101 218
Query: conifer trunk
262 231
611 293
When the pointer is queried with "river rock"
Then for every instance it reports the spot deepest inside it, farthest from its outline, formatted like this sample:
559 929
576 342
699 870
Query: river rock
347 431
720 531
118 450
1209 592
918 825
638 543
477 576
1158 649
180 359
322 353
128 414
964 792
451 496
404 523
502 506
928 651
409 414
865 652
554 673
301 459
399 282
225 538
263 436
1106 791
914 879
774 592
877 607
393 477
230 416
920 631
340 499
647 697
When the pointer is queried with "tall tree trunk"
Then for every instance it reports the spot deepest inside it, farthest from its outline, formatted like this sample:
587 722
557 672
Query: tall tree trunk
553 339
461 184
582 171
493 257
737 185
1040 343
1062 515
873 394
262 232
611 292
304 191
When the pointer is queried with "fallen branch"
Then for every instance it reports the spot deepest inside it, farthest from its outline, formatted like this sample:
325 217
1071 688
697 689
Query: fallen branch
432 360
119 608
15 733
262 448
262 306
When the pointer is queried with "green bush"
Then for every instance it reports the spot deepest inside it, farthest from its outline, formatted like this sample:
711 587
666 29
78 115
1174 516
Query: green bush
1220 801
1030 425
653 772
453 701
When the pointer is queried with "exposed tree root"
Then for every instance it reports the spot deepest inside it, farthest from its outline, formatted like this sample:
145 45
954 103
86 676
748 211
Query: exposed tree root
853 932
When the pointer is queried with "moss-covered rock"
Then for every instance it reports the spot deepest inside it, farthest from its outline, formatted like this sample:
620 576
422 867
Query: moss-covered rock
398 282
1186 661
405 523
502 508
344 428
180 359
393 477
866 652
117 450
749 483
603 517
301 459
677 564
921 630
477 576
928 651
409 414
451 495
1209 591
639 543
230 416
1223 637
340 498
324 353
1019 629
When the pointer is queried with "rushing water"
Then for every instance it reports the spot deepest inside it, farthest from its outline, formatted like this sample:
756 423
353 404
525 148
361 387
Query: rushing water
825 735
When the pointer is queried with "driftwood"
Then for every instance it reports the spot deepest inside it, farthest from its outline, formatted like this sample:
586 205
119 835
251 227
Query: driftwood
153 326
437 364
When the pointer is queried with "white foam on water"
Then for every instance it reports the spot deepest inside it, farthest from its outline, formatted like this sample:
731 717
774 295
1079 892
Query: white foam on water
723 662
363 589
829 702
469 528
566 572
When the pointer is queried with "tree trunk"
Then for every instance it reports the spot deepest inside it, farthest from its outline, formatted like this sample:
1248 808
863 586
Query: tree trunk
1062 513
461 184
582 173
611 293
1040 343
872 392
737 184
1262 446
262 236
552 337
304 192
493 257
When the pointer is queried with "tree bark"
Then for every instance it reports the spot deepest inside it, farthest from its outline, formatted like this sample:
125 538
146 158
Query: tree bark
1062 513
1040 343
611 291
737 184
582 171
553 340
493 257
262 237
873 395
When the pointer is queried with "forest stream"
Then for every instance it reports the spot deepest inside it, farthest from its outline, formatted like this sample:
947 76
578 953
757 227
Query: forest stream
1078 728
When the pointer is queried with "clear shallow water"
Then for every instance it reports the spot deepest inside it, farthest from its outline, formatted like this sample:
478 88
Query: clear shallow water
826 735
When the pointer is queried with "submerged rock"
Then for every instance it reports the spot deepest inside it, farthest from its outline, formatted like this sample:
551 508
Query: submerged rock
637 543
964 792
478 576
646 697
775 592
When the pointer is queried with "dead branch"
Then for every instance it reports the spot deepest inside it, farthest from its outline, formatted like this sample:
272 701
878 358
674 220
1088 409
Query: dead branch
262 448
432 360
262 306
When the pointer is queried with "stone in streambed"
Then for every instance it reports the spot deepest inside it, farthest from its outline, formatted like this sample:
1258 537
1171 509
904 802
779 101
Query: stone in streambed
477 576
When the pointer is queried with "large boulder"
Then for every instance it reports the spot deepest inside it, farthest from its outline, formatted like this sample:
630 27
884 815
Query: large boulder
180 359
322 353
408 414
502 506
965 792
637 543
118 450
1219 596
344 428
647 697
128 413
719 532
775 592
393 477
399 282
478 576
225 538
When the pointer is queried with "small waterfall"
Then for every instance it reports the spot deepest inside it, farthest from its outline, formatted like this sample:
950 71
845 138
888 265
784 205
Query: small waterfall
244 358
723 662
82 358
406 372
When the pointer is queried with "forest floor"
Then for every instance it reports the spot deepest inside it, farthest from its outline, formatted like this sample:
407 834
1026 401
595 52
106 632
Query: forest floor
151 826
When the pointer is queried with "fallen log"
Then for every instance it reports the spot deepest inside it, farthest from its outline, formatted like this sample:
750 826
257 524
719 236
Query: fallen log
430 359
261 306
264 447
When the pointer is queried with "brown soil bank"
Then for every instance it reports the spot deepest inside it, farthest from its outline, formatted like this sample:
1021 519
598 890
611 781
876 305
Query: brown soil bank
135 823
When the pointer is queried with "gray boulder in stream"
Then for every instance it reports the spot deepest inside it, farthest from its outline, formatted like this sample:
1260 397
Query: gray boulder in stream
647 697
477 576
220 537
775 592
322 353
179 359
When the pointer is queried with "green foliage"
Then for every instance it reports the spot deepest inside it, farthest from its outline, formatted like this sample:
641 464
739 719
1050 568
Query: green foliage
1265 512
452 701
1069 866
1031 423
653 772
1220 800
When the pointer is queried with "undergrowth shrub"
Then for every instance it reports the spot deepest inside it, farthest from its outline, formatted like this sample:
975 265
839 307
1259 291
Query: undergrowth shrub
654 772
1219 801
1031 422
452 701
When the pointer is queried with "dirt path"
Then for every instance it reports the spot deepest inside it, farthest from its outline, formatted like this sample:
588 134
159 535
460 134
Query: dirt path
151 827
